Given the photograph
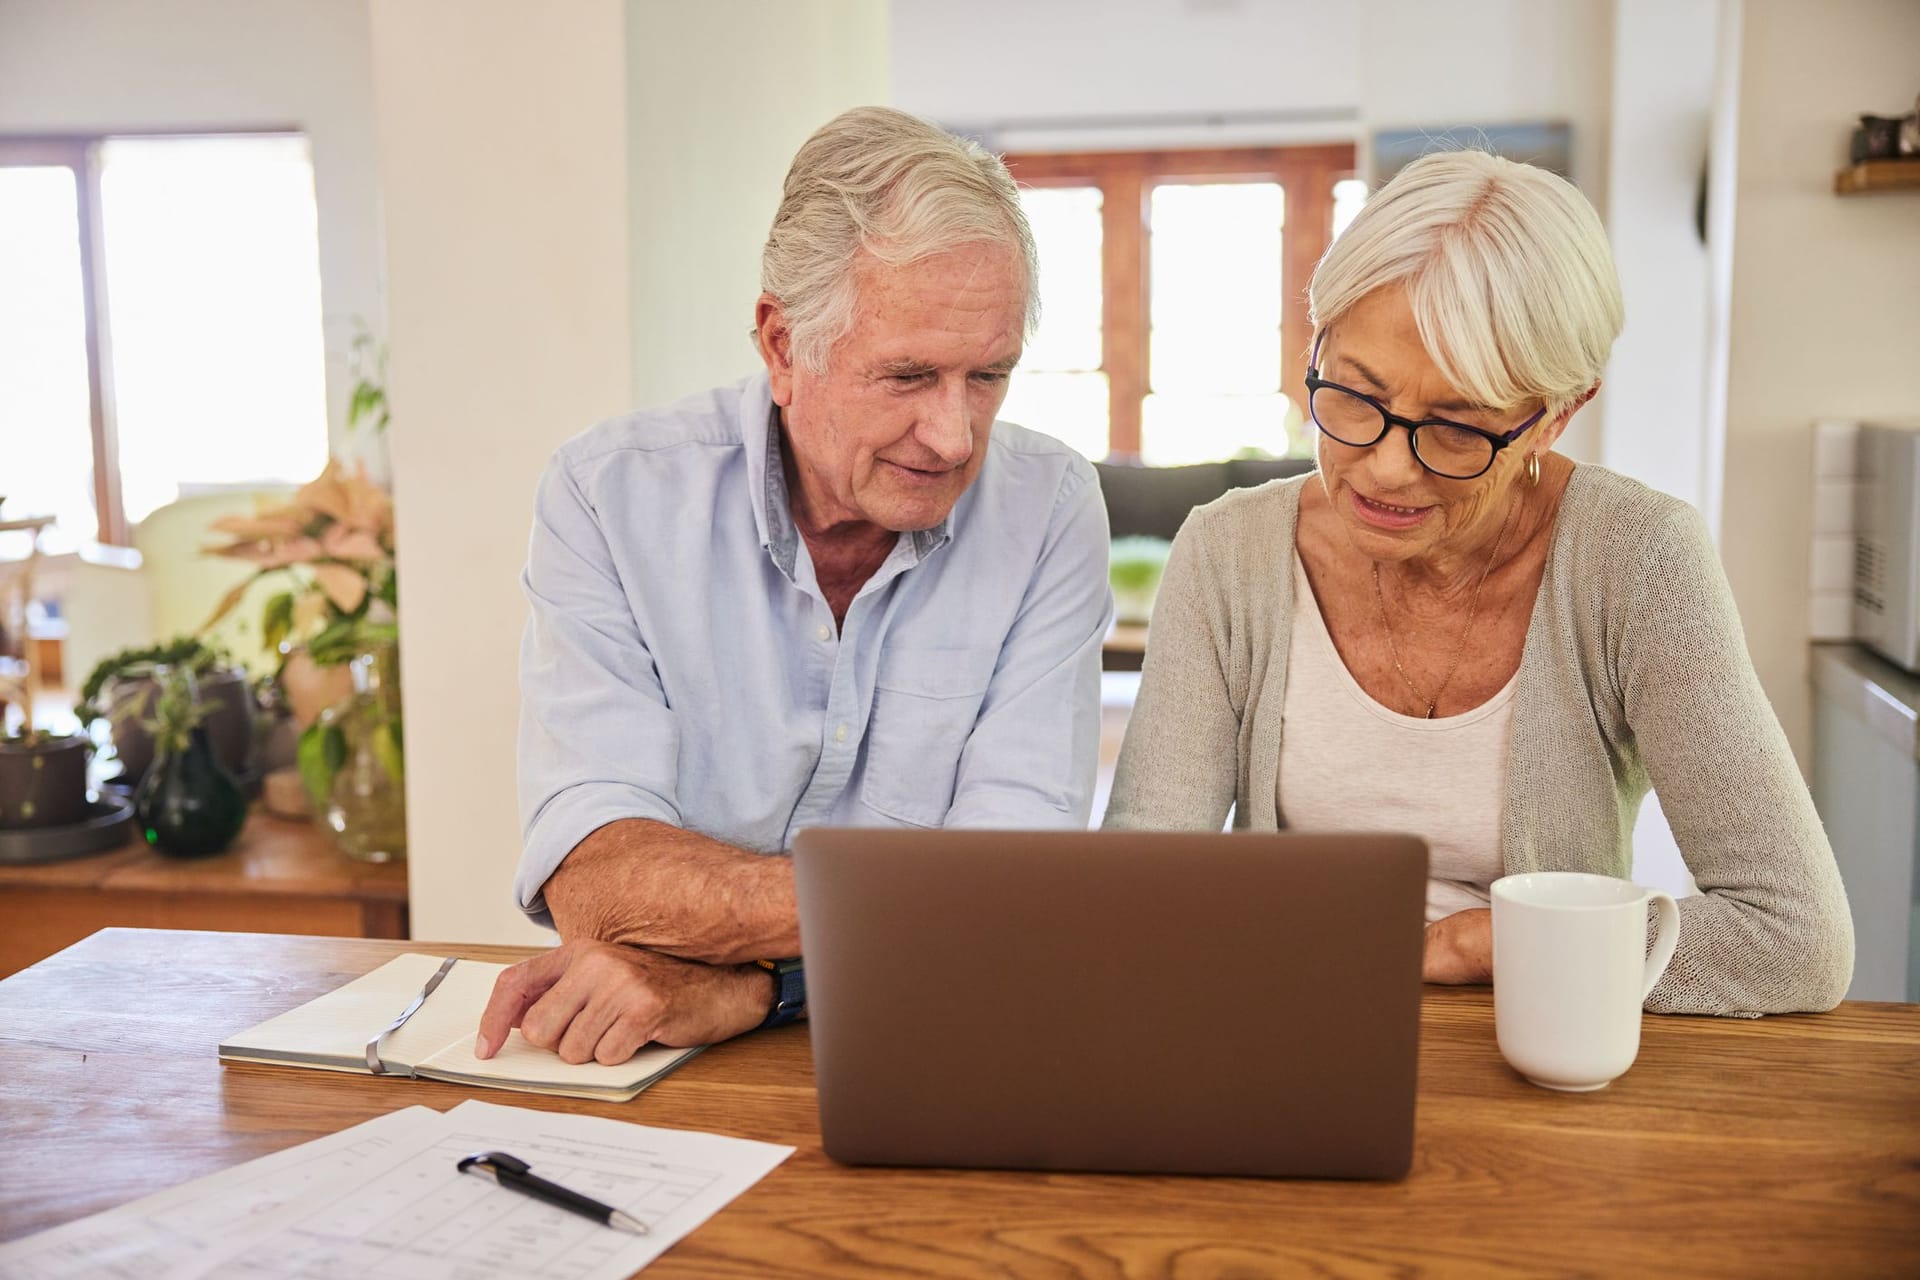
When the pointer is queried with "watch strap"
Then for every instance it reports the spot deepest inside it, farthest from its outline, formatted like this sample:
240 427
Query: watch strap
789 991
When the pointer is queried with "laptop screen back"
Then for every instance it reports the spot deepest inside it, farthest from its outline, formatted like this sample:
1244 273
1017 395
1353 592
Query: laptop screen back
1149 1002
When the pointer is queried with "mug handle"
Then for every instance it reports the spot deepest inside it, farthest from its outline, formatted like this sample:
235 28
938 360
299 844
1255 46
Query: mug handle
1664 941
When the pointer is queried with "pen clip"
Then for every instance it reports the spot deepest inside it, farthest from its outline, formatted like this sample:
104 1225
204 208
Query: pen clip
492 1163
374 1064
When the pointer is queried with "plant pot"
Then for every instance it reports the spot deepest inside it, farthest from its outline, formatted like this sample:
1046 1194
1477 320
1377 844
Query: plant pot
229 722
276 741
188 806
312 688
43 782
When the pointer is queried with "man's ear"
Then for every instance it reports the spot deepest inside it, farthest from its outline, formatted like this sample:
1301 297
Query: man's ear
775 341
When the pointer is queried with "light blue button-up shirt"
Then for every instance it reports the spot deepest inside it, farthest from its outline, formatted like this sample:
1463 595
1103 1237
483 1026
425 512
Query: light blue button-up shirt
681 663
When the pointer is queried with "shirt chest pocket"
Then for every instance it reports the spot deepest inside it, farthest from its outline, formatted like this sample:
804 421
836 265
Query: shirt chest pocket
925 703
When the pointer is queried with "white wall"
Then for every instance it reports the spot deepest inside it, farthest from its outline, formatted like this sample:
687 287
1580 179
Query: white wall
1491 62
714 127
1012 63
133 65
1662 101
1118 71
502 146
1823 301
1082 74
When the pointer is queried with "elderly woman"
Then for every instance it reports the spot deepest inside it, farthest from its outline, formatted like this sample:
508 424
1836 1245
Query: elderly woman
1450 629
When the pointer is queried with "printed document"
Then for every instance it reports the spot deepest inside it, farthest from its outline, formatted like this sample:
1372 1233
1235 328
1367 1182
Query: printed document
384 1199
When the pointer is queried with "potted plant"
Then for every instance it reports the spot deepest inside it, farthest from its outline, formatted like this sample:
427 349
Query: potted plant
43 779
336 628
1134 567
43 776
123 686
187 805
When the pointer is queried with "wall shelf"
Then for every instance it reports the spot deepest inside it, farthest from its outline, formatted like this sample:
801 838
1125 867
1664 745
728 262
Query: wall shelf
1877 175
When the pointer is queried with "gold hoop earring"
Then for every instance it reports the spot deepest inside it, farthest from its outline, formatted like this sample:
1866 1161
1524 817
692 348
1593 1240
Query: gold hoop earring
1533 468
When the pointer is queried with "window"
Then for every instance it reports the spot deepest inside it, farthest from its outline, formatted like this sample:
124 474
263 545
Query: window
1173 311
160 324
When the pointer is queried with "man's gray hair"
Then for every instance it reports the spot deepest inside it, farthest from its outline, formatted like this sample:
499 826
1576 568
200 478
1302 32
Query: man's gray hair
889 184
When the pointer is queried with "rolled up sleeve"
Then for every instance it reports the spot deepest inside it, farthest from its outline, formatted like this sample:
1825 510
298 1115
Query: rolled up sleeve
597 741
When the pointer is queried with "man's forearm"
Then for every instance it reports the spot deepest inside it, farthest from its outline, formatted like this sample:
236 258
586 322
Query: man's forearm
649 884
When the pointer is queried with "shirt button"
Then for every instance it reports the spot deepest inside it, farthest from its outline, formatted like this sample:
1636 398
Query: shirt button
825 632
840 734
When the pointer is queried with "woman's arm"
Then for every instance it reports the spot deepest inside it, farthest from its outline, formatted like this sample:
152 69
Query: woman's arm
1771 932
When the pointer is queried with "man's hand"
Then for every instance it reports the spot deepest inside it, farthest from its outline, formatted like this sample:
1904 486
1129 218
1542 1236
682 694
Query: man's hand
1460 948
600 1002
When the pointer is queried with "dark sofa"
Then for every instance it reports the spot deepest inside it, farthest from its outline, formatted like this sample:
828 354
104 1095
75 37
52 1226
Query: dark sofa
1153 501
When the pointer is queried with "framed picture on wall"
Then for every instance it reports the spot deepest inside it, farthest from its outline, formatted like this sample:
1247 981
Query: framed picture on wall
1548 145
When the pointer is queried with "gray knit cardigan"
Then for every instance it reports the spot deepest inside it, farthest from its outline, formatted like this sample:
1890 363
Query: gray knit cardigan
1635 674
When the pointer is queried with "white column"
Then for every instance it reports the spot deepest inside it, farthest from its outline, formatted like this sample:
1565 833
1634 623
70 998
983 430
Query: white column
1663 63
503 142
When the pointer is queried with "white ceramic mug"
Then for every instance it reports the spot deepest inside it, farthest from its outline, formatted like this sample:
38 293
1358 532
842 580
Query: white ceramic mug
1571 972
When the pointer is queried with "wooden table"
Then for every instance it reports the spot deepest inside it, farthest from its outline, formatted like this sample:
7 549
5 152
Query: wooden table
1125 648
279 877
1786 1146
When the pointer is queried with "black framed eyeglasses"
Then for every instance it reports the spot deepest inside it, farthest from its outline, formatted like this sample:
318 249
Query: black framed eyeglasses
1453 450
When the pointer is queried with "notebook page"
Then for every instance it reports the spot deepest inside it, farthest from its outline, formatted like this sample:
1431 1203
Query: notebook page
451 1014
333 1030
439 1038
520 1063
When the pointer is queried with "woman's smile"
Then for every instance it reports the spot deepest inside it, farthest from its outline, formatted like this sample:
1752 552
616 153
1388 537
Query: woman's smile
1385 515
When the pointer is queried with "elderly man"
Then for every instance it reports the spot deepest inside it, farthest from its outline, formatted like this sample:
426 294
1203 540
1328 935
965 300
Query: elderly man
835 594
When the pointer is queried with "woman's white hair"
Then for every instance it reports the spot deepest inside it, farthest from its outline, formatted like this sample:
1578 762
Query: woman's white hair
1506 267
879 181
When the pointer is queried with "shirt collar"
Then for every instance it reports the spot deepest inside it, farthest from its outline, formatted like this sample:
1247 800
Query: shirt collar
767 481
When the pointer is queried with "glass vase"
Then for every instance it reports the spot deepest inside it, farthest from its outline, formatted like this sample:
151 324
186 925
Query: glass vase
366 806
188 806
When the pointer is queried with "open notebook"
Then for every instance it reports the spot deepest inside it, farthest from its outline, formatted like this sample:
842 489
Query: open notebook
436 1041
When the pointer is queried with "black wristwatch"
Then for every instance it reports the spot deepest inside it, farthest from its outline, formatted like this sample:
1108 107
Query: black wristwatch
789 991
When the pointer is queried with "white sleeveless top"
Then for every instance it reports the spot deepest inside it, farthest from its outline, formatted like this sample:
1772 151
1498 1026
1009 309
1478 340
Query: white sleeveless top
1349 764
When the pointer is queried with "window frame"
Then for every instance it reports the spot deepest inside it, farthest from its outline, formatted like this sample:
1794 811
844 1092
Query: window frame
1126 179
80 153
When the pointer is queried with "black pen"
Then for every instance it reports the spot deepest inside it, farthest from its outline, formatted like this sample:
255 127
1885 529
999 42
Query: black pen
515 1174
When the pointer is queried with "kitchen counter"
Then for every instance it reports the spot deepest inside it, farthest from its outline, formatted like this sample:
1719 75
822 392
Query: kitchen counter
1881 694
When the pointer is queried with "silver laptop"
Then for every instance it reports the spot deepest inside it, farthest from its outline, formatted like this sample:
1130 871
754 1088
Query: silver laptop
1139 1002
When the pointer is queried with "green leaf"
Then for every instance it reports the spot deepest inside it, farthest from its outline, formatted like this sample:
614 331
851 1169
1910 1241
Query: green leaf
357 406
189 651
335 643
276 620
323 749
386 749
373 634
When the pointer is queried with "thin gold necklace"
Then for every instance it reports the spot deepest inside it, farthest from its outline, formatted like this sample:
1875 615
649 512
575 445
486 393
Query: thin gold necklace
1460 647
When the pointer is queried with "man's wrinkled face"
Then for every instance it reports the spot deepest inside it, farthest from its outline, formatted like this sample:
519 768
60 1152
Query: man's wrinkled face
896 428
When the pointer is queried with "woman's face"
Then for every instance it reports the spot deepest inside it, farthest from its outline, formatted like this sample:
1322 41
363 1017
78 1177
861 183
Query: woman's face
1392 507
